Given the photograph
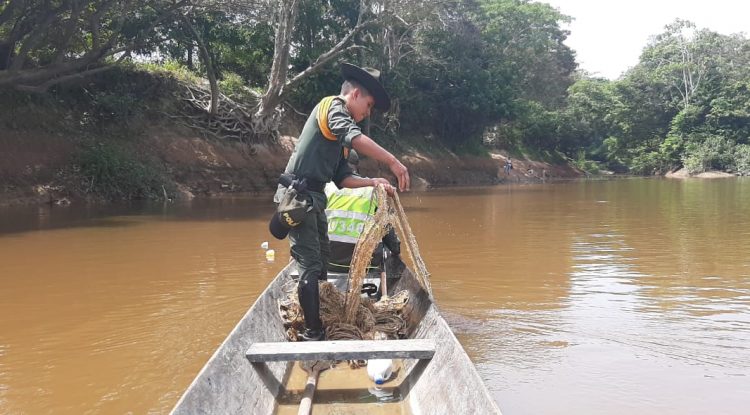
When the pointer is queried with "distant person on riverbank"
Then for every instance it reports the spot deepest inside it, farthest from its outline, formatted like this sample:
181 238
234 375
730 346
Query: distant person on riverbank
508 166
319 157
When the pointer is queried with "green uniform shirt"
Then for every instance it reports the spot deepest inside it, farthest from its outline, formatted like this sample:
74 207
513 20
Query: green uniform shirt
319 158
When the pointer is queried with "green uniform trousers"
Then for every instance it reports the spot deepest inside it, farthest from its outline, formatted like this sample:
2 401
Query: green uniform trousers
310 248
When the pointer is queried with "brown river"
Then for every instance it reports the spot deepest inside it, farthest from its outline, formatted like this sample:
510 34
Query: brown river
591 297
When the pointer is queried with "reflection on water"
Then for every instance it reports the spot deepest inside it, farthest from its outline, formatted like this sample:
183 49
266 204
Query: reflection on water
616 297
585 297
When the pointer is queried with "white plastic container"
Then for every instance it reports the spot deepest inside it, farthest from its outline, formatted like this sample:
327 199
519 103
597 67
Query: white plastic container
270 255
379 370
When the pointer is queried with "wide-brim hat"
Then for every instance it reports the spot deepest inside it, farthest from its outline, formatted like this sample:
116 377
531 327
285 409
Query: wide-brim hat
369 78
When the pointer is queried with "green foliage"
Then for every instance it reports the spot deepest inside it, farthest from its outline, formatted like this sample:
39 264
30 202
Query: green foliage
538 125
482 64
120 102
647 162
446 89
170 68
585 120
525 43
709 153
116 173
742 159
232 84
729 112
589 166
110 106
454 70
671 150
472 147
686 103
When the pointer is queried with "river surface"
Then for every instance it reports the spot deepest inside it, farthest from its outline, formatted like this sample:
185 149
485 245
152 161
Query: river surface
591 297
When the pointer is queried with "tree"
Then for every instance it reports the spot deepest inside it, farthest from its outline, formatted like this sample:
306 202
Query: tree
586 119
265 119
206 58
526 43
48 42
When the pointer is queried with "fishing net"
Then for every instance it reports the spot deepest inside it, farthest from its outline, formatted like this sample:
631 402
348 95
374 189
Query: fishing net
389 212
348 316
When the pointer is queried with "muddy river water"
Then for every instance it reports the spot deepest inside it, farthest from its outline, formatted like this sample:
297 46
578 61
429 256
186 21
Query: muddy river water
618 297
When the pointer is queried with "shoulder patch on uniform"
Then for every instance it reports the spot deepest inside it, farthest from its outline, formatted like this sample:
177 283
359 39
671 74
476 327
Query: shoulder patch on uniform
322 117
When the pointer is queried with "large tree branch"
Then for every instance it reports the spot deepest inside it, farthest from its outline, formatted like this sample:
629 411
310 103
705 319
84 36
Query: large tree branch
36 35
9 10
94 23
33 76
65 78
317 67
328 56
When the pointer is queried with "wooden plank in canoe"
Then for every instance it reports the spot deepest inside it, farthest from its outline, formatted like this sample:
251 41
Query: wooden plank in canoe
342 350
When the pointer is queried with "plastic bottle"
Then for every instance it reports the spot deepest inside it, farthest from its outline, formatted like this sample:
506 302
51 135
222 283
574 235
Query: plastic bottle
379 370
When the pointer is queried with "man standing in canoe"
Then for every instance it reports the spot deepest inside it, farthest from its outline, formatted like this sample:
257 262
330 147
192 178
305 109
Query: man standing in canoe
320 156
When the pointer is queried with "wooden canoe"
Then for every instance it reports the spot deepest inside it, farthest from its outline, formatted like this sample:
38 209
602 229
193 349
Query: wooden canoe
230 383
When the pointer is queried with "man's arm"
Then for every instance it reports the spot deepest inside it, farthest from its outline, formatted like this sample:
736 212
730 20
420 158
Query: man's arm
365 145
354 182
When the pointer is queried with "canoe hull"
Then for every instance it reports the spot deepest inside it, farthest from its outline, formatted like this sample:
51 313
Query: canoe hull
230 384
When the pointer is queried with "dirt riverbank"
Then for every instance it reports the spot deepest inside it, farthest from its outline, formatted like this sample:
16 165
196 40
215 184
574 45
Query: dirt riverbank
38 167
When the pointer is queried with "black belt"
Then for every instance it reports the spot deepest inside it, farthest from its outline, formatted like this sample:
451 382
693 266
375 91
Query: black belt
301 184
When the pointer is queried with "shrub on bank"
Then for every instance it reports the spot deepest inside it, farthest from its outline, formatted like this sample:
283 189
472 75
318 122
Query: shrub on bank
113 172
712 153
742 159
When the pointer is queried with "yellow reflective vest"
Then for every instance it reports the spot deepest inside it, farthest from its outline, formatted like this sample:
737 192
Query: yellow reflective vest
347 212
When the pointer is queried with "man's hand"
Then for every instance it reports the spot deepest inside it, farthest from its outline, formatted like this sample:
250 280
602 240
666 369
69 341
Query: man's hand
401 173
388 187
365 146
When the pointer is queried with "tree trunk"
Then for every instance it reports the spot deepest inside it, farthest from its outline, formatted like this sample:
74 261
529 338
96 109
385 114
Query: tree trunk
208 63
190 57
287 16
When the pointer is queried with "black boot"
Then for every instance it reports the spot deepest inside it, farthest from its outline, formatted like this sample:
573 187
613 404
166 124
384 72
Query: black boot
313 335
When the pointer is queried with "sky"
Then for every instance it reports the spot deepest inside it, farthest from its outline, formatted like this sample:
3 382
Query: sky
608 35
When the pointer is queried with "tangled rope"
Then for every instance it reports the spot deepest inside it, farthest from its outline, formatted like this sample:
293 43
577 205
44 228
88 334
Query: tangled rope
385 316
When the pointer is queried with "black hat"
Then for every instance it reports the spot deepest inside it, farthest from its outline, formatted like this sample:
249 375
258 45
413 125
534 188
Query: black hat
290 213
369 78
